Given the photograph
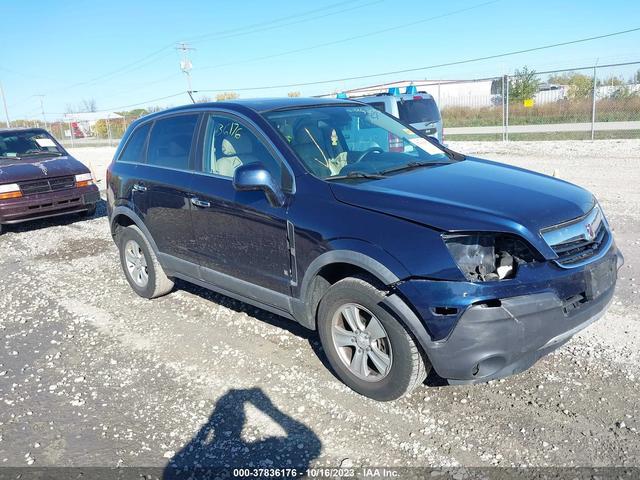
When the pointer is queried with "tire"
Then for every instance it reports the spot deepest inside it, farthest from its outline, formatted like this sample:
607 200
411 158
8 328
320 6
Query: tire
405 364
147 278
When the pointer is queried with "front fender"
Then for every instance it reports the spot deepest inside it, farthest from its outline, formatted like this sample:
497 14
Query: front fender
364 255
371 258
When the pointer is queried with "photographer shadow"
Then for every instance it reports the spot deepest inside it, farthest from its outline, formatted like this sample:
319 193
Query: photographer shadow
219 445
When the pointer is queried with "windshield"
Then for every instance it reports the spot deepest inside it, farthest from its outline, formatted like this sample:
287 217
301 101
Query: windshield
418 110
27 143
339 141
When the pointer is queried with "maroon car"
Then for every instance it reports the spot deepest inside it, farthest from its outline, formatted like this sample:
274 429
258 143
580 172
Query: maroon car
39 179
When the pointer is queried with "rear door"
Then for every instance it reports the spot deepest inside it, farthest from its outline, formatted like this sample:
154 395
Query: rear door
240 236
162 191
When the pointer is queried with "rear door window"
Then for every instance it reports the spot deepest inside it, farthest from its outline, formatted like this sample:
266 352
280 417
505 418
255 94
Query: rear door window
171 140
418 110
134 150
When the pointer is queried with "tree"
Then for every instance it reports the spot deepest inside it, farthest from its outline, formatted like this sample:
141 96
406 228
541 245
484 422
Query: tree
293 94
88 105
496 86
203 99
624 92
612 80
226 96
133 114
580 85
524 84
101 129
636 77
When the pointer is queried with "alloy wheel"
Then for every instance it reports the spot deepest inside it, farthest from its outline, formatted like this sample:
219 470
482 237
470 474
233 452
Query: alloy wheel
362 342
136 263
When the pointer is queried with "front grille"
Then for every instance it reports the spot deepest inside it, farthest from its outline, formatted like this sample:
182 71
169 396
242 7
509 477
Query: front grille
48 185
578 240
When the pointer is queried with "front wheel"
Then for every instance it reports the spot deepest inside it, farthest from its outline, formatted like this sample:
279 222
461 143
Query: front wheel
367 347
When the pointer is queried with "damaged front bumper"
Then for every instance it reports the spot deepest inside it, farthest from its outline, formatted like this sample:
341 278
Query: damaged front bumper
502 330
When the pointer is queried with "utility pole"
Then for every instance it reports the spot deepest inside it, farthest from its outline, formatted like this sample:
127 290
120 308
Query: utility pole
44 118
4 102
593 102
186 65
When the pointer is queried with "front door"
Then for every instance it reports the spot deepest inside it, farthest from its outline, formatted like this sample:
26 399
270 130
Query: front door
240 236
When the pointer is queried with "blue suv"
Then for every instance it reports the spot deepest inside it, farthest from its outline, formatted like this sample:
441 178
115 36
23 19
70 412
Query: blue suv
403 259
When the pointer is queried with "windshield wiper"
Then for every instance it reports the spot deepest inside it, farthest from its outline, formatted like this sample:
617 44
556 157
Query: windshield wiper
35 154
358 174
412 166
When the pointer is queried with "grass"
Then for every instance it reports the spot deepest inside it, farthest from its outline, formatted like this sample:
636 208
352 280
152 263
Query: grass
602 135
567 111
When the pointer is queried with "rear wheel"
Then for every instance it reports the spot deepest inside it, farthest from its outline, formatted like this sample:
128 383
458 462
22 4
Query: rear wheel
140 264
367 347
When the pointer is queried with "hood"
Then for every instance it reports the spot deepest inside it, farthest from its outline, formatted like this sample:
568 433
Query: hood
472 194
33 168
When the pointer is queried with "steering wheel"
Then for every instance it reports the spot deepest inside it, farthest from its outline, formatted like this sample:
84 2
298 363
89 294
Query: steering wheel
368 151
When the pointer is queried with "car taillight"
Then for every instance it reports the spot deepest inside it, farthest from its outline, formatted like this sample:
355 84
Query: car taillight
10 190
395 143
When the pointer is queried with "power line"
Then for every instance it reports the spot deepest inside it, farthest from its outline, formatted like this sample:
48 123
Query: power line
149 58
252 29
120 107
141 63
428 67
355 37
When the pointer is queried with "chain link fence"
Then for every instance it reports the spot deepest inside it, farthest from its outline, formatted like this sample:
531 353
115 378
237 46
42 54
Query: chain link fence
82 129
586 103
595 102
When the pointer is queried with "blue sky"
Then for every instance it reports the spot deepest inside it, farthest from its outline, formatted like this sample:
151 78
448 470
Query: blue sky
122 52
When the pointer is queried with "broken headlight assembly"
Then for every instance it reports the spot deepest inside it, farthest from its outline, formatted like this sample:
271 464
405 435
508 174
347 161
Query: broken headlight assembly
486 257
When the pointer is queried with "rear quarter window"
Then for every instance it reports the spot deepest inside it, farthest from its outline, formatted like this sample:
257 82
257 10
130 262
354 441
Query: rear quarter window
134 149
170 141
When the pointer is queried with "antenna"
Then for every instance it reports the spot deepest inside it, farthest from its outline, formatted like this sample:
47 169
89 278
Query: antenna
186 65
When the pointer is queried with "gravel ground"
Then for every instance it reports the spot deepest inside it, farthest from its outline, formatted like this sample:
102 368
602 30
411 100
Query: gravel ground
92 375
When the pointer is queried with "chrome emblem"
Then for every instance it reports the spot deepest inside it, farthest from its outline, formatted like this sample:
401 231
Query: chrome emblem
590 233
43 168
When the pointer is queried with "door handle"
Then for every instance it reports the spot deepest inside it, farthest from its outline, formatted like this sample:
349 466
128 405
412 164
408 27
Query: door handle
139 187
200 203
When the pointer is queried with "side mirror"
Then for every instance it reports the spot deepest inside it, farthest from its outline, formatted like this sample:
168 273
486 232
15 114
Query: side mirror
254 176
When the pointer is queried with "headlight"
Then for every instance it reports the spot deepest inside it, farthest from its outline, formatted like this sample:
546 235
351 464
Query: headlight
84 180
483 257
10 190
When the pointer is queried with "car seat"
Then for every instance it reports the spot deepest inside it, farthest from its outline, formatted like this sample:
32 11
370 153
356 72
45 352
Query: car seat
235 152
308 142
